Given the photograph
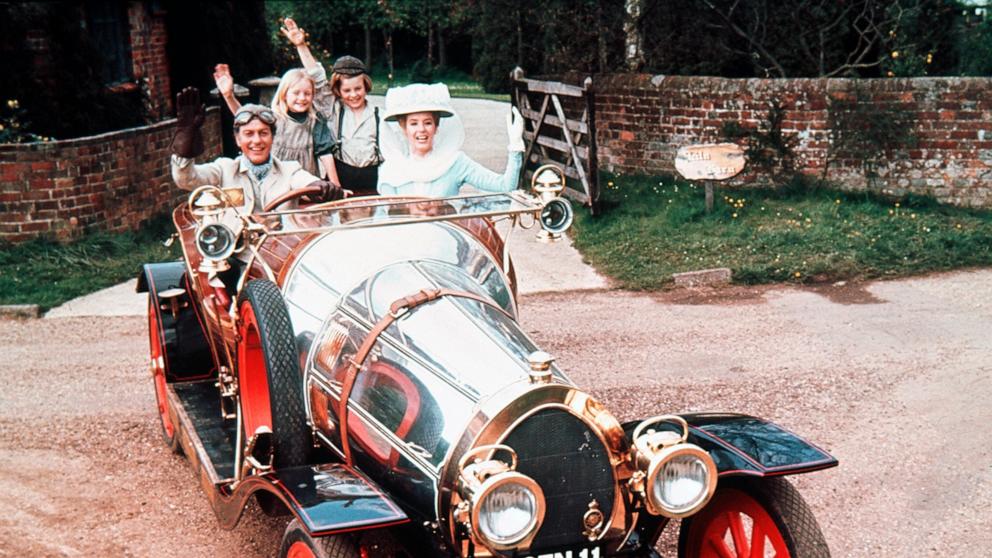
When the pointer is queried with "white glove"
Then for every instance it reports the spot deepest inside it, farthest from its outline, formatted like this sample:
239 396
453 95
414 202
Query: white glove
515 129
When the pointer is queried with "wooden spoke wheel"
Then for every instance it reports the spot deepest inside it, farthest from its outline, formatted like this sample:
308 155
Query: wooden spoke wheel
753 518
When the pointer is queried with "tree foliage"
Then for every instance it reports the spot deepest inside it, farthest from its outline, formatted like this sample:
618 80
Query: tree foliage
555 37
202 34
732 38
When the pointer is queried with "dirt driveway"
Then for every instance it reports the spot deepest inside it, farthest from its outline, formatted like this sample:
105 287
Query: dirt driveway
894 378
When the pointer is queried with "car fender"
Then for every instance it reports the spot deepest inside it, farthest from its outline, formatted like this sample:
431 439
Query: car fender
186 352
746 445
327 499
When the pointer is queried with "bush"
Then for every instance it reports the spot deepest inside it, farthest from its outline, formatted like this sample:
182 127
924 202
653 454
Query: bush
975 47
422 72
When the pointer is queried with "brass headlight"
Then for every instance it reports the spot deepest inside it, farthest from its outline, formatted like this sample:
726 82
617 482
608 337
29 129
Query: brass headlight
503 509
215 241
673 478
556 214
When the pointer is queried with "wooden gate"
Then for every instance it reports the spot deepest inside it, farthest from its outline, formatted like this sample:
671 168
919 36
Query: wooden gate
559 128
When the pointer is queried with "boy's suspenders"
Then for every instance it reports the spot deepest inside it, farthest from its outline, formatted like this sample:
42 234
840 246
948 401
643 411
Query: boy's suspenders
378 153
337 144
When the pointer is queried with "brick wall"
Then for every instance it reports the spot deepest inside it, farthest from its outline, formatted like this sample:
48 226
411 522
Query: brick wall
150 64
111 181
642 120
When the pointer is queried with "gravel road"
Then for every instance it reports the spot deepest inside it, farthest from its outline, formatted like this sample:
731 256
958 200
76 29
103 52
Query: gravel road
894 378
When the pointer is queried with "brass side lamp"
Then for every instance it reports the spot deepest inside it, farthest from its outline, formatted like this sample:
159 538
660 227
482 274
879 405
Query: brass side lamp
556 215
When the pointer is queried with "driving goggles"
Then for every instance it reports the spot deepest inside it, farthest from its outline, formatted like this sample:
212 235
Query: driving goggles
247 112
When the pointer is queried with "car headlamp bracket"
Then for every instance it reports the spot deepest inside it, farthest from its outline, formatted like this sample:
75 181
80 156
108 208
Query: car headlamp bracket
477 478
653 449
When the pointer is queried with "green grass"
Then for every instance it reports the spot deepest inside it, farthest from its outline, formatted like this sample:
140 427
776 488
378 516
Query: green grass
47 273
651 228
459 83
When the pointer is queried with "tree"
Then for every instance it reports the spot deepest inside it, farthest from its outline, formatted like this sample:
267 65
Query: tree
503 37
823 38
321 25
633 44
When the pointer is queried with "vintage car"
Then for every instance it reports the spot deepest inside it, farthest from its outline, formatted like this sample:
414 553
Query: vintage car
366 375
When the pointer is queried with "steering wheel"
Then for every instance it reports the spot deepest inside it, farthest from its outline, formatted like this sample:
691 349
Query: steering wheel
291 195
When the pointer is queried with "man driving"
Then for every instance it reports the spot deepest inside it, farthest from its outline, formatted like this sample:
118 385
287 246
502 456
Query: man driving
256 175
261 177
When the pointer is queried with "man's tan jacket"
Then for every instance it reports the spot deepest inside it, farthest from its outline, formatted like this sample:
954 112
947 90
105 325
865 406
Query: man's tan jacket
234 177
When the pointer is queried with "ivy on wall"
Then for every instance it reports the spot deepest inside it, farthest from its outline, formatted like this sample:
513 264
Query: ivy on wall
867 132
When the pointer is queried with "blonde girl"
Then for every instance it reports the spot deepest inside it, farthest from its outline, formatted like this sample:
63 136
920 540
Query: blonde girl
302 133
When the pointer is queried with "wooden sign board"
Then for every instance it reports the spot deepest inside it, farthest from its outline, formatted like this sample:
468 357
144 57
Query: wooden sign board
718 161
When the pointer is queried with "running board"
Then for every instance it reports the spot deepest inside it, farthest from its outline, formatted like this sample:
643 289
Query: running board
327 498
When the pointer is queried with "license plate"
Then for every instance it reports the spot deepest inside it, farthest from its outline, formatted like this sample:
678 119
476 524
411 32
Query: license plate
588 552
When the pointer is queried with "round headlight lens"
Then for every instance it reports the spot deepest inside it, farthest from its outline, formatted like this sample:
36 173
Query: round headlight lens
681 483
508 513
556 215
215 241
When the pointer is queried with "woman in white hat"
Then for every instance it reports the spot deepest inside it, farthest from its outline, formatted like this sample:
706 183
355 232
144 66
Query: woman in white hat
422 144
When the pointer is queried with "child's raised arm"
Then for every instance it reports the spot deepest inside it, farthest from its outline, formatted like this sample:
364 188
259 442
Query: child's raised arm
298 39
225 86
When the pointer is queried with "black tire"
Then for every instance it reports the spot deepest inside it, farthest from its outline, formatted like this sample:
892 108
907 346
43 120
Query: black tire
296 542
156 352
787 514
265 324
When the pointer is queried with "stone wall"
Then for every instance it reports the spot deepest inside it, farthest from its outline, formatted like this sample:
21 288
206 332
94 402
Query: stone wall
110 182
642 120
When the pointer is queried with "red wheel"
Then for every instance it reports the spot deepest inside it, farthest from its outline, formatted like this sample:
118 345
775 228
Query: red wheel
269 379
157 366
297 543
752 518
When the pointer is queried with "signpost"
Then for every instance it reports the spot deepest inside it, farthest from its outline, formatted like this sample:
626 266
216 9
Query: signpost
709 163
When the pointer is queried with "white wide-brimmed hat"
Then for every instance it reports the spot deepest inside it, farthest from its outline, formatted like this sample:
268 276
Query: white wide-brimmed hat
418 97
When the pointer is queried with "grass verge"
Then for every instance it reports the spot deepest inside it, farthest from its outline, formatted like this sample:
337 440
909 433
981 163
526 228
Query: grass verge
48 273
653 227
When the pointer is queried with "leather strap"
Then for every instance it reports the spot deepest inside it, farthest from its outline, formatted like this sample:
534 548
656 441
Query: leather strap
396 310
